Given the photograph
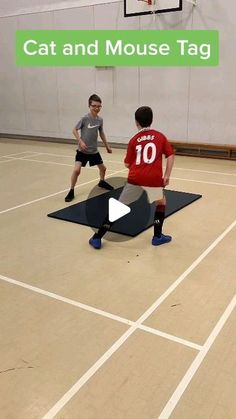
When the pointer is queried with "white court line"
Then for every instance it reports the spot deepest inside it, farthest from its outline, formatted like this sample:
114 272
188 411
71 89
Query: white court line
19 158
175 178
170 337
204 171
22 152
9 158
202 181
171 404
66 300
107 355
72 156
26 158
47 162
180 279
174 168
60 164
121 162
100 312
182 168
57 193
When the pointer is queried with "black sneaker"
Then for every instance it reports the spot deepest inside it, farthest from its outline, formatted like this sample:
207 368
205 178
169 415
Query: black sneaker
103 184
70 196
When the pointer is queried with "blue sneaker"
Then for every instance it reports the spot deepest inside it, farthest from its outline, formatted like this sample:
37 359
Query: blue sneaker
157 241
96 243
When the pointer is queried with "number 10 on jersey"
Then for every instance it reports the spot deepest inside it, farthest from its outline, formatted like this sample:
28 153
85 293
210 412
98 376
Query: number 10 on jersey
146 154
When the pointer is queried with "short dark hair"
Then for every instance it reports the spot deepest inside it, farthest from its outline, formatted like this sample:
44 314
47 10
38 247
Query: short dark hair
94 98
144 116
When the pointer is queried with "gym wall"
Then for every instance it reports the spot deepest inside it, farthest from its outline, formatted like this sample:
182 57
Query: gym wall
193 105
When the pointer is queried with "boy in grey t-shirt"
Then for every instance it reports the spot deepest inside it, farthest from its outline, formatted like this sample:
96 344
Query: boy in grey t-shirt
89 126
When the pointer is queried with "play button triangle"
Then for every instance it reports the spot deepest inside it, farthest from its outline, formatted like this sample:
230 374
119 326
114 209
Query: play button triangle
117 210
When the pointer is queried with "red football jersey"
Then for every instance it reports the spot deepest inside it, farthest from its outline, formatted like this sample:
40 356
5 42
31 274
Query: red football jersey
144 156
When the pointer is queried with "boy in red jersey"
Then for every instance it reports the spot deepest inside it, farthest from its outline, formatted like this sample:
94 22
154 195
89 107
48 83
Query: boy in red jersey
144 161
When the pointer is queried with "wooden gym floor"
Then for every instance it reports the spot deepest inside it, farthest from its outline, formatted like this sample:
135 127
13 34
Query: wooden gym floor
127 332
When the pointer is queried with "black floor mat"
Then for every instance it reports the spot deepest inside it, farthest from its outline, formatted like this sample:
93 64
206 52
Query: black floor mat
93 211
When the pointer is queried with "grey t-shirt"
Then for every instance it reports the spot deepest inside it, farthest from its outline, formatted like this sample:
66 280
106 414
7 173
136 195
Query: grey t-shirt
89 127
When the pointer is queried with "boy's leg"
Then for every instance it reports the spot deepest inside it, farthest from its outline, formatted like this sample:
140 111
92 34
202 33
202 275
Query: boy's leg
129 194
132 193
159 217
102 183
96 239
102 170
74 178
96 160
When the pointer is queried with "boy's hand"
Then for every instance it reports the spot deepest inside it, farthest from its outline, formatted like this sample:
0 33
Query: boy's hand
82 145
109 150
165 181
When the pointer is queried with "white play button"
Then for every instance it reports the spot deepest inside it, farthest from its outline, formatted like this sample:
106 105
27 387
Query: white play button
116 209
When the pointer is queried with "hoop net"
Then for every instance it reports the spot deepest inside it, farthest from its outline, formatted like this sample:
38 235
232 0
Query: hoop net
151 3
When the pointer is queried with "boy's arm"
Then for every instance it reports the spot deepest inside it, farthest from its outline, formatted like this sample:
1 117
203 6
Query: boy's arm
169 165
130 155
81 144
104 140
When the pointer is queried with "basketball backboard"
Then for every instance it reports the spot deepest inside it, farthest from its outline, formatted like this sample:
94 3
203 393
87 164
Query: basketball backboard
146 7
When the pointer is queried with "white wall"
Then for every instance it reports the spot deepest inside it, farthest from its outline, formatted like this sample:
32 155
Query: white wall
192 105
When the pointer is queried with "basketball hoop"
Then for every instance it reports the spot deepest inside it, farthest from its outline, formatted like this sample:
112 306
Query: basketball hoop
151 7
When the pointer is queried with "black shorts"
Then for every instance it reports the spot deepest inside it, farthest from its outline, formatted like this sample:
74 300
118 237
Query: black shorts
93 159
